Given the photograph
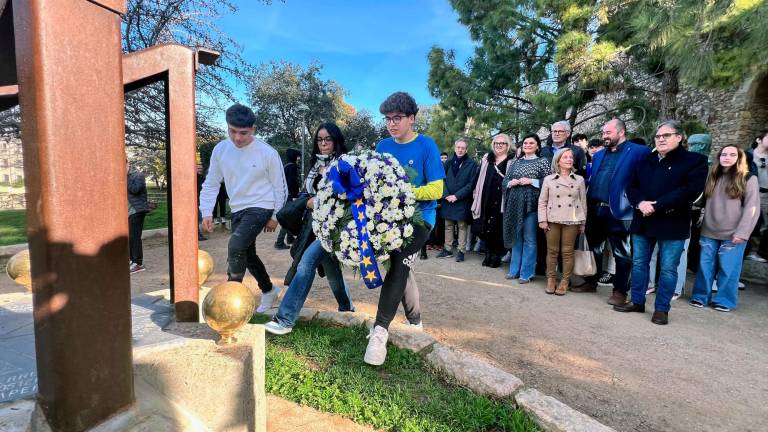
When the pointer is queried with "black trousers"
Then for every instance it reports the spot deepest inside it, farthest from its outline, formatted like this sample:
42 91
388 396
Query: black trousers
395 281
602 227
135 247
241 251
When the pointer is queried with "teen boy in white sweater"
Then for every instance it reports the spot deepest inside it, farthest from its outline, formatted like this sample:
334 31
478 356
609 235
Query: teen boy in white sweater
255 182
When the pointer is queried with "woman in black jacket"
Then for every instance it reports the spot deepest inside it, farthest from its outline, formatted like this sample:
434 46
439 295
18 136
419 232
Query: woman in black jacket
308 254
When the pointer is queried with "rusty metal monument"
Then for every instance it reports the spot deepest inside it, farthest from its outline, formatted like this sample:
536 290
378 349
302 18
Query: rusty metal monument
61 61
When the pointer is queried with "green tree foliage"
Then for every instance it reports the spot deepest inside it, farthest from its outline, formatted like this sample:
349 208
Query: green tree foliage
535 62
290 102
361 131
709 43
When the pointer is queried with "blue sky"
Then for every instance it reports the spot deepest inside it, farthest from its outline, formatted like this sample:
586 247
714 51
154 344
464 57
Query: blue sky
372 48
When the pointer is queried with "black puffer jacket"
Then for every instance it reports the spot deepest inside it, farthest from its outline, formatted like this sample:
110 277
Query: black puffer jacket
137 191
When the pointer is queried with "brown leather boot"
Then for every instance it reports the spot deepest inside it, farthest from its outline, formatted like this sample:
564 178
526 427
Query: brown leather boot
550 289
562 288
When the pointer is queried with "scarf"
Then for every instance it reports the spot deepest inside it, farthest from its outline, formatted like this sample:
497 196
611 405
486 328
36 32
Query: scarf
314 176
457 161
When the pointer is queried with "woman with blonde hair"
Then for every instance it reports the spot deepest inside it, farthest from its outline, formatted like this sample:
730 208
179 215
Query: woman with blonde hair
487 198
562 215
730 213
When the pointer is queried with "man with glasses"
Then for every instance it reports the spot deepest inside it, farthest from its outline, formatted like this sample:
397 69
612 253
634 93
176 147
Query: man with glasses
561 132
418 154
255 181
609 213
662 190
460 174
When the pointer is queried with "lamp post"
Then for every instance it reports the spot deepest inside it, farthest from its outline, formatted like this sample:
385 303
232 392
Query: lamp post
303 109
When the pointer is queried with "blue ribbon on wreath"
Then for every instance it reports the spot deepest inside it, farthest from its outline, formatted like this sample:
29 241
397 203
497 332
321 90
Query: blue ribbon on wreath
346 181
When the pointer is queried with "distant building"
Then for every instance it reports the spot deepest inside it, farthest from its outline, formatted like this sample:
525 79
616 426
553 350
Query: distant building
11 162
11 174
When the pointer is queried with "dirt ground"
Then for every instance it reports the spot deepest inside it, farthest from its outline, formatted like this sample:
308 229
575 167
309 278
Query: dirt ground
705 371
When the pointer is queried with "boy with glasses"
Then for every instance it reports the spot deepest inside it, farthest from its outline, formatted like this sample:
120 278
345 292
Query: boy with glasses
420 154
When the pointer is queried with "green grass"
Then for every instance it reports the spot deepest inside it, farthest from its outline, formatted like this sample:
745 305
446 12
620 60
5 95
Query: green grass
13 227
13 224
323 367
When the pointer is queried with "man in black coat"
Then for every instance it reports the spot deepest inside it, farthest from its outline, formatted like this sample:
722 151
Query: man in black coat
662 190
293 181
560 134
460 173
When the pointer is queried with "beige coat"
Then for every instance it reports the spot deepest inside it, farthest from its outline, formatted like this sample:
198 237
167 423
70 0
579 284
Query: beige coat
563 199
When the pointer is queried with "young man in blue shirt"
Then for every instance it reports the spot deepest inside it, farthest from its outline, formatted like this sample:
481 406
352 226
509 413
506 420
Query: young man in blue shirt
418 153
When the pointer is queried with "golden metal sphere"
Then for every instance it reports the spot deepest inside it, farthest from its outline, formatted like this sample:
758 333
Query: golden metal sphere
19 269
228 307
204 266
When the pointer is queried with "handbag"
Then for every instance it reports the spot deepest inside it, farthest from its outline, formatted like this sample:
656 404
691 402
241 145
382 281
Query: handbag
583 258
291 215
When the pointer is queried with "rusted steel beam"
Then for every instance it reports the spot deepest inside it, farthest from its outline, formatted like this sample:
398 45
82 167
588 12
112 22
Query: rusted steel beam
175 64
7 51
116 6
9 96
71 97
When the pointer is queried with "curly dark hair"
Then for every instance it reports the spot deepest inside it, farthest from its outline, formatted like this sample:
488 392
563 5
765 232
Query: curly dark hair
400 102
240 116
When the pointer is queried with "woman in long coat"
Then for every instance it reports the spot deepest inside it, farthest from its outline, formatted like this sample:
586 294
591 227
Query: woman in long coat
486 203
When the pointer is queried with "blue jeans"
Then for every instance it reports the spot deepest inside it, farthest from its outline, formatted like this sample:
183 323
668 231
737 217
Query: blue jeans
682 268
523 260
241 250
669 255
721 259
298 290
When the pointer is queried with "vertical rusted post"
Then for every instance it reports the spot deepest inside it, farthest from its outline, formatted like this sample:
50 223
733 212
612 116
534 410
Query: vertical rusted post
70 90
175 65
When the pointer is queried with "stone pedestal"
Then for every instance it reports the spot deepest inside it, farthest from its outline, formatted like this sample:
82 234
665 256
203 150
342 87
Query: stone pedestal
184 383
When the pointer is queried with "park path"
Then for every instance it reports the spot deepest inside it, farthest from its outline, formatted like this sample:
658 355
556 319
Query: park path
705 371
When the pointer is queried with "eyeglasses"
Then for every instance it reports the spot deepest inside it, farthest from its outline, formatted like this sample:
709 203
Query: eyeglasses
666 136
394 119
327 139
559 131
500 143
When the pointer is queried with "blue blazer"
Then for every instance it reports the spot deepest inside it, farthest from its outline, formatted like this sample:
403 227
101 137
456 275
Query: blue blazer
630 156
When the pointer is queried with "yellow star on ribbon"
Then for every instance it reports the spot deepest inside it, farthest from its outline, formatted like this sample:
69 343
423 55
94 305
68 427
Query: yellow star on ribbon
366 261
371 276
359 202
360 216
364 245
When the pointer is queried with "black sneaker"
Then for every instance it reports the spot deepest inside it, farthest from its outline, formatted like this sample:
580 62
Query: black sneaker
281 246
460 257
606 279
445 253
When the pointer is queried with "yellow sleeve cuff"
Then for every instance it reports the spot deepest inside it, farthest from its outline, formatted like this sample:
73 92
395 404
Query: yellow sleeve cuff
430 191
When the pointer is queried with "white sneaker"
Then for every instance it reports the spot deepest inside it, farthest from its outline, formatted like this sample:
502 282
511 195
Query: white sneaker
268 299
410 326
376 352
755 257
275 327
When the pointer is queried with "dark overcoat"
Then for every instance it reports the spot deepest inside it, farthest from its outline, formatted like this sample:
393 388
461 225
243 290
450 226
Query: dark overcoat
460 184
674 182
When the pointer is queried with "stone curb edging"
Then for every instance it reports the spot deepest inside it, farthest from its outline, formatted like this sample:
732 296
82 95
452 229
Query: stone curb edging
550 414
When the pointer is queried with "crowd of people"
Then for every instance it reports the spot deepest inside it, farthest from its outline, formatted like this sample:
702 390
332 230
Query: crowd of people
529 206
638 205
